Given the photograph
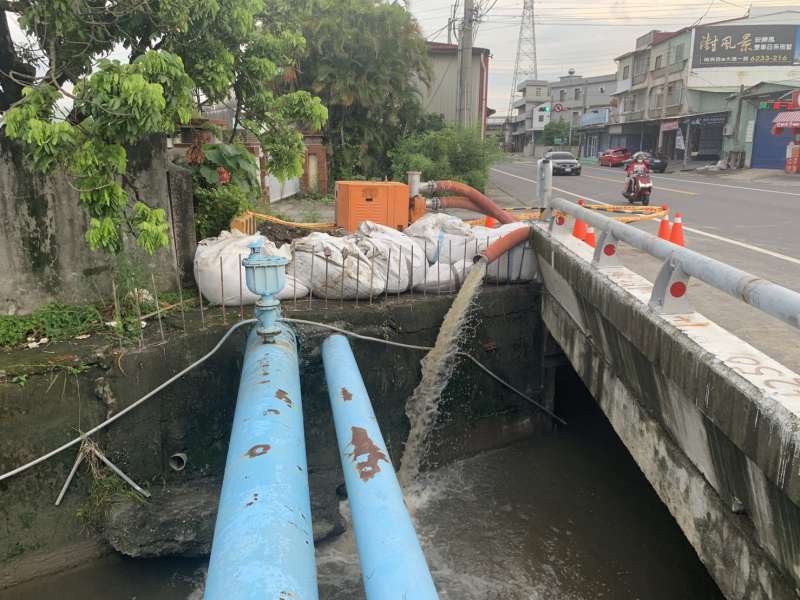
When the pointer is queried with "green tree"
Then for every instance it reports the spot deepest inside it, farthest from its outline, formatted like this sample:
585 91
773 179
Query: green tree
455 154
181 55
555 130
365 60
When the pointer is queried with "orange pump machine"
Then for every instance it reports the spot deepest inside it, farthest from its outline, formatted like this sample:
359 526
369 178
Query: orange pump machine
384 202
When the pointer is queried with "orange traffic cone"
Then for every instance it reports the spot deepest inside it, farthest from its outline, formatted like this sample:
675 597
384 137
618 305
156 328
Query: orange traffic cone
676 235
490 223
664 227
579 230
589 238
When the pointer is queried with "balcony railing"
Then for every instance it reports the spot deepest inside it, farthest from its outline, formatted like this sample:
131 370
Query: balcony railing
639 78
660 72
637 115
673 110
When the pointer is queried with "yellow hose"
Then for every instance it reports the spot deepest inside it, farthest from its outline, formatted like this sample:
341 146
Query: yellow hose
630 214
247 223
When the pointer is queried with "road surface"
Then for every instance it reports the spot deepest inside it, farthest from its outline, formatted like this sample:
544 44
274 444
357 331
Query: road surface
751 225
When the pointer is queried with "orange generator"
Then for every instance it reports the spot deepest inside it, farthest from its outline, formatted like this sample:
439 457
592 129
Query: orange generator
383 202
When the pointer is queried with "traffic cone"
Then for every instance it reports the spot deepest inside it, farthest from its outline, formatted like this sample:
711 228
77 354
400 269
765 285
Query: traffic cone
676 235
664 227
490 224
589 238
579 230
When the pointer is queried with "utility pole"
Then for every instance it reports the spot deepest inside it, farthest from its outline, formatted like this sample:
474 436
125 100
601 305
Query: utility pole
465 65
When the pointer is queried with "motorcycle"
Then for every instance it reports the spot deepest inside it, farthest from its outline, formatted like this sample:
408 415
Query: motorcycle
640 188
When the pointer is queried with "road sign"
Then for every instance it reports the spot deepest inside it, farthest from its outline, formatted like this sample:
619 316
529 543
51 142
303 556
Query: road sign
558 108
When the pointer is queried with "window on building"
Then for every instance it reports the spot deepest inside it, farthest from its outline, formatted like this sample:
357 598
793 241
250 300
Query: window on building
575 116
680 53
541 118
659 60
577 94
675 93
539 91
562 95
626 72
602 90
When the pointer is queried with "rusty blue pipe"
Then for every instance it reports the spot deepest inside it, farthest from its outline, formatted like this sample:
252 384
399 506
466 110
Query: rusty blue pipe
263 544
392 563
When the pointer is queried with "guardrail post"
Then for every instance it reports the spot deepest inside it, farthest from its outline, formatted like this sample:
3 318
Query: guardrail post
544 187
605 251
669 290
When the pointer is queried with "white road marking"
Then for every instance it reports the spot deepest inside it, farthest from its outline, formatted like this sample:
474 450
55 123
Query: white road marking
713 236
749 189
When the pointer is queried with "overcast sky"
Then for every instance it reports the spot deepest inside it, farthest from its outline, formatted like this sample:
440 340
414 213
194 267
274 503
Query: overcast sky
582 34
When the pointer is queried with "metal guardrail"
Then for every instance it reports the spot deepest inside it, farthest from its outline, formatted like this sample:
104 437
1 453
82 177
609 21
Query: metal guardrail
679 265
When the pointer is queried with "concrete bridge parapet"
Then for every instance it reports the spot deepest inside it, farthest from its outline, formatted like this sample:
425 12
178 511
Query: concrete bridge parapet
711 421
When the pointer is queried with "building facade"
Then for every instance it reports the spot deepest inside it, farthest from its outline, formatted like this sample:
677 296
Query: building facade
531 116
584 102
441 96
690 94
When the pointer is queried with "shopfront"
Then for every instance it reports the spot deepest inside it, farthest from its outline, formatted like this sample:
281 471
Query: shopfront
703 135
668 141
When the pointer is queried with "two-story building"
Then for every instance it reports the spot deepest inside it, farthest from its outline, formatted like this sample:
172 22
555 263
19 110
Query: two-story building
532 113
691 92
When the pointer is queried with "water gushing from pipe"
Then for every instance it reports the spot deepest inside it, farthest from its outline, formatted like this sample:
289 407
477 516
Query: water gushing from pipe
422 408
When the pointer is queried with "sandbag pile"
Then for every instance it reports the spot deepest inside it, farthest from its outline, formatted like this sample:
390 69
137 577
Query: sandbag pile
434 254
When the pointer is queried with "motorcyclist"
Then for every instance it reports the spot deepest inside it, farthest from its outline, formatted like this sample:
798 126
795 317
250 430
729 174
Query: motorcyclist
638 165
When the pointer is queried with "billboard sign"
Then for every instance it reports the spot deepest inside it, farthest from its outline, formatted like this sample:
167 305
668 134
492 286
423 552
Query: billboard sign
749 46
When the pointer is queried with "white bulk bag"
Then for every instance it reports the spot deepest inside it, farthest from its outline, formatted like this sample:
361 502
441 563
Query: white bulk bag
218 267
444 278
516 265
397 255
443 237
335 267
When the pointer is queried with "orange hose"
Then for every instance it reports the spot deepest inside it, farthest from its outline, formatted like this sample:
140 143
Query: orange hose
499 247
486 206
459 202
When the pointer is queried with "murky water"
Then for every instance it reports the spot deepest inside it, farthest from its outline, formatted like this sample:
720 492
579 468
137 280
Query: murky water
422 407
564 516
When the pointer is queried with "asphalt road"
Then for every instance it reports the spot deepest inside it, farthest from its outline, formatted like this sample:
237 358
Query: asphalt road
752 225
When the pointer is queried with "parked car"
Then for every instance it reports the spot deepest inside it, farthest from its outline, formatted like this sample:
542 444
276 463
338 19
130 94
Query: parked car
657 164
564 163
614 157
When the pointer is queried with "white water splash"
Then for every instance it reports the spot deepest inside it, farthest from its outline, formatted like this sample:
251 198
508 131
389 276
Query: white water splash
422 408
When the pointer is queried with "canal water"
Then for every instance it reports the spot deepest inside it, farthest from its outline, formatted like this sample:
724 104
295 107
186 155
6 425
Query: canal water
565 515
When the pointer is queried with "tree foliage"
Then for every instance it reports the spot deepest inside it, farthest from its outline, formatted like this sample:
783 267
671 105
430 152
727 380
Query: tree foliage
454 154
181 55
556 130
365 60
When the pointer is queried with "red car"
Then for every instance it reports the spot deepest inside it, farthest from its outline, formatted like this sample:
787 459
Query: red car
614 157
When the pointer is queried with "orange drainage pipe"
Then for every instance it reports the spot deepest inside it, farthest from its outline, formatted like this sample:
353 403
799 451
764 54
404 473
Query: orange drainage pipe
499 247
462 202
486 206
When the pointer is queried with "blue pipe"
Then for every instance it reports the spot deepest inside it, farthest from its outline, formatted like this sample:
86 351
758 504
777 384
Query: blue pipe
392 563
263 545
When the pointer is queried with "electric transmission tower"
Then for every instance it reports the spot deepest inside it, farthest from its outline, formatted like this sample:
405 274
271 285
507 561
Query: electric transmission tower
525 66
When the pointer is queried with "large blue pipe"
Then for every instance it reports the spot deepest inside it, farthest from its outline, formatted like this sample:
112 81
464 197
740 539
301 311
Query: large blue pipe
263 545
392 563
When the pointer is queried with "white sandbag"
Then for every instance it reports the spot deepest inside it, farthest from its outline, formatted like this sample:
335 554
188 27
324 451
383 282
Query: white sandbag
519 264
396 255
443 237
444 278
336 267
218 267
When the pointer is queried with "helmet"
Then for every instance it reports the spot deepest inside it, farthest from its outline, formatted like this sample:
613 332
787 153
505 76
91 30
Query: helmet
640 159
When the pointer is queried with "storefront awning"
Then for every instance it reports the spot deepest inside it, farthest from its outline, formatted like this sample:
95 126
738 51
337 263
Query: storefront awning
789 119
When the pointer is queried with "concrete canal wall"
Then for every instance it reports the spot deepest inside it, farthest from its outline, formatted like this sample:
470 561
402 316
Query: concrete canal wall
80 385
